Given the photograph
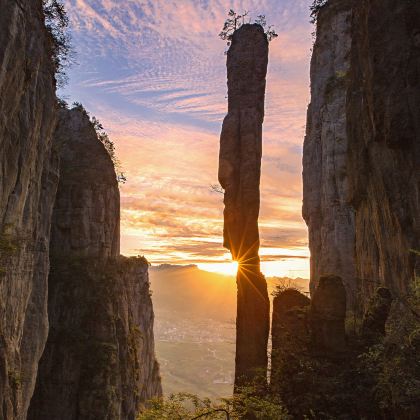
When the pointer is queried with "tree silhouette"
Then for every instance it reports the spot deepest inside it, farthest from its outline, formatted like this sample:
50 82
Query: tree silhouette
316 6
56 23
235 21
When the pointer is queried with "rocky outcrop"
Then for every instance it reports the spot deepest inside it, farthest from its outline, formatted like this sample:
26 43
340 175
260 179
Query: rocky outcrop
362 147
28 179
239 175
327 316
290 328
99 359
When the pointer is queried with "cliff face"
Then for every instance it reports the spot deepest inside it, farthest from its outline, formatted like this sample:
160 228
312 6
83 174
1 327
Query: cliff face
239 175
86 218
326 210
99 359
383 108
28 179
362 148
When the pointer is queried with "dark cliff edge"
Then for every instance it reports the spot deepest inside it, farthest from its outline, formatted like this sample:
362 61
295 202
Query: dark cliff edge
99 359
28 181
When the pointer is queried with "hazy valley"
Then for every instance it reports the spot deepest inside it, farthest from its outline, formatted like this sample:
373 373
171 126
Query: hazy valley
195 314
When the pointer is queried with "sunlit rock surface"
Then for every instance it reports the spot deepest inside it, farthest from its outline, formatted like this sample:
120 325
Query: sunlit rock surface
99 360
28 181
239 175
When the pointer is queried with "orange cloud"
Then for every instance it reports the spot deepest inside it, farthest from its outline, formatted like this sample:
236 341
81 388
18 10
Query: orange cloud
154 73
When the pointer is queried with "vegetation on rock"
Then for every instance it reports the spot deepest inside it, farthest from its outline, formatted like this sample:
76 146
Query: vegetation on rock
371 379
247 402
56 23
103 138
236 20
315 7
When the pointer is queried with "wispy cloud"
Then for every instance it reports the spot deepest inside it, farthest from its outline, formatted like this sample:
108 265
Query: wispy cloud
153 71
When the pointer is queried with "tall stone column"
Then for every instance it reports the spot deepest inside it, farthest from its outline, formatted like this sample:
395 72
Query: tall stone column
239 175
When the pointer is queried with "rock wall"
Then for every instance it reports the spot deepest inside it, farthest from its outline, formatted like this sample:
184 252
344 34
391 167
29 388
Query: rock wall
86 218
383 108
239 175
362 147
28 180
99 359
326 210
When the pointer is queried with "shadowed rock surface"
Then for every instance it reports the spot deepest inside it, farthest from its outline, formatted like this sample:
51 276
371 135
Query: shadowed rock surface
376 315
383 108
99 361
289 330
86 218
362 147
28 181
327 315
239 175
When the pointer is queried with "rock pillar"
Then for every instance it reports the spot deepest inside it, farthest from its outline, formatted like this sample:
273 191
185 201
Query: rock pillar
239 175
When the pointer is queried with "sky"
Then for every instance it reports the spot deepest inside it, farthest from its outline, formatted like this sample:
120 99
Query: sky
154 73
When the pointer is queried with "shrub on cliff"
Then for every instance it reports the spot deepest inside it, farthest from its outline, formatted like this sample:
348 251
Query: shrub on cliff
188 406
236 20
56 22
103 138
110 148
315 7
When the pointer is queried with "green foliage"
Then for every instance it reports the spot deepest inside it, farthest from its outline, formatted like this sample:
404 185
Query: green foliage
110 148
316 6
56 22
392 364
188 406
235 21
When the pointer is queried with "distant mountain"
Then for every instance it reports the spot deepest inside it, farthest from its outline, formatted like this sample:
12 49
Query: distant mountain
195 314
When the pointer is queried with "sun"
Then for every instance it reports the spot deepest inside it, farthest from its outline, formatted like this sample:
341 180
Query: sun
225 268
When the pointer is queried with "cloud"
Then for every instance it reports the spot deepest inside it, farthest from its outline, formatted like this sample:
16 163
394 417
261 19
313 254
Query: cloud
154 73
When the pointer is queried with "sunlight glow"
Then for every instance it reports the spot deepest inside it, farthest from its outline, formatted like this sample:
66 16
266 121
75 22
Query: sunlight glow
227 268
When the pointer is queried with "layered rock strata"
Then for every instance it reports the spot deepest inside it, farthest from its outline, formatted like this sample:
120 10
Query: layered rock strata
362 147
239 175
28 180
99 359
